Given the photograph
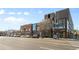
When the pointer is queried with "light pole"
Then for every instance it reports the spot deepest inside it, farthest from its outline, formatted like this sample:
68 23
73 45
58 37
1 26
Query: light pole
77 33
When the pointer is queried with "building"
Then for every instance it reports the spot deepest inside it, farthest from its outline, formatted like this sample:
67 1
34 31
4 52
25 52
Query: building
76 34
59 23
13 33
49 20
35 30
64 23
26 30
2 33
30 29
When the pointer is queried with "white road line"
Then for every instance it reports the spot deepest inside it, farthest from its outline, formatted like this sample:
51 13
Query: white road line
46 48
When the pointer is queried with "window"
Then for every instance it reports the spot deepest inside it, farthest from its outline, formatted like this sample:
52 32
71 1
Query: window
34 26
48 15
29 29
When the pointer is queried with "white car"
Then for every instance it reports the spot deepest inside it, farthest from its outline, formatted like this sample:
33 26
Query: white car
55 36
35 36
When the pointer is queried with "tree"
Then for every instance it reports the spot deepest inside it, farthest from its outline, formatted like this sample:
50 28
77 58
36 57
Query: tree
46 28
75 33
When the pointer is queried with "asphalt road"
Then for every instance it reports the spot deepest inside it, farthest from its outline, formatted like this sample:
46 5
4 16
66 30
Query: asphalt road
17 43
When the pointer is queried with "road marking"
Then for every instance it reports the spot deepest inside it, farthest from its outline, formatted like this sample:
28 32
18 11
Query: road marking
46 48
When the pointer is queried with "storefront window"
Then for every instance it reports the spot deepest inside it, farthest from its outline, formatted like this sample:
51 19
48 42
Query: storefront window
60 24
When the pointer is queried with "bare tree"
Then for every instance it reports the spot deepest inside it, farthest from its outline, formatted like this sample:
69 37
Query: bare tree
45 27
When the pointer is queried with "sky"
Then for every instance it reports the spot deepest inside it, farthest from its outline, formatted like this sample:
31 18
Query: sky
13 18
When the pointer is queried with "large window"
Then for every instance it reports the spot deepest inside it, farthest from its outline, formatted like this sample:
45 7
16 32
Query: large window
60 24
34 27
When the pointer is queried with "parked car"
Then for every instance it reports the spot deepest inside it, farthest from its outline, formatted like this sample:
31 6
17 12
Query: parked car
55 36
35 36
27 36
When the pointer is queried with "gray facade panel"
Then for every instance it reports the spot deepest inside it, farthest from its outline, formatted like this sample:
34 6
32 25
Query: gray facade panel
62 14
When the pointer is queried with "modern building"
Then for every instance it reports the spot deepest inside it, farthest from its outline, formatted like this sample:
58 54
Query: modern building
35 30
59 23
64 23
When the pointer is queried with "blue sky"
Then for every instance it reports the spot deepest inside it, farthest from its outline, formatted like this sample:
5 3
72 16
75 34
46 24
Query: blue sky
13 18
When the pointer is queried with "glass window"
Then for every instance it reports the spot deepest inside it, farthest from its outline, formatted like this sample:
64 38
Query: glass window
34 26
29 29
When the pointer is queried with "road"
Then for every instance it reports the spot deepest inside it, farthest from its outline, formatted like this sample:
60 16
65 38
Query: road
17 43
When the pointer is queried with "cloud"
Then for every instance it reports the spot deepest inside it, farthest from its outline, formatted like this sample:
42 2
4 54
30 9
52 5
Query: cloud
11 13
2 11
19 13
26 13
14 21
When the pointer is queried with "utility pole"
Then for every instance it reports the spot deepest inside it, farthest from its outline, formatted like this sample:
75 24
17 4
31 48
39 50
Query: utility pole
51 28
77 33
65 27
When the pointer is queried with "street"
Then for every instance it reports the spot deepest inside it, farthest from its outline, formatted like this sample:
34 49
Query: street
18 43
